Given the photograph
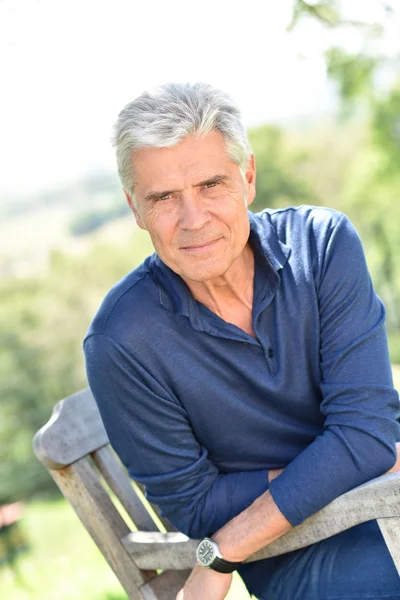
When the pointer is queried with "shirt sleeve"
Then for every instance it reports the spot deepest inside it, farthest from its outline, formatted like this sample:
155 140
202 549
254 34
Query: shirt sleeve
360 405
149 430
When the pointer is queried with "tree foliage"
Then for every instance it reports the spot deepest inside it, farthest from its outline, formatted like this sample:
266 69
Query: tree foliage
279 180
325 11
352 73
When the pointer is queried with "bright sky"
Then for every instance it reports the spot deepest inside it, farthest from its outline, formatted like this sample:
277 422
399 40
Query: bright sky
67 67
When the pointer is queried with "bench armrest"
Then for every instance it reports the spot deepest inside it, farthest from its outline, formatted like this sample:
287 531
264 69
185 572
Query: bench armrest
376 499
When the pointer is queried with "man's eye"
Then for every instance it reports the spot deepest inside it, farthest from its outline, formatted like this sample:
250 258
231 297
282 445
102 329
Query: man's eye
211 184
165 197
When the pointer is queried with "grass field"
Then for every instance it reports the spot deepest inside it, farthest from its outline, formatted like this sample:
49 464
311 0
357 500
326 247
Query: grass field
64 563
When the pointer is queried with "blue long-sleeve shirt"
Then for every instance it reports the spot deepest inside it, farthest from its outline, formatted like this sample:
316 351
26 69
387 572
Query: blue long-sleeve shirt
198 410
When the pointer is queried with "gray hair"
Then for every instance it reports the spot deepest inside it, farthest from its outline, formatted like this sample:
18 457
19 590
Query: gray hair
166 115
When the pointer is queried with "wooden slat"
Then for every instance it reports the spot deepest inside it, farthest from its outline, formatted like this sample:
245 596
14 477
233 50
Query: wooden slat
74 430
168 526
378 499
120 484
165 586
80 485
168 550
390 529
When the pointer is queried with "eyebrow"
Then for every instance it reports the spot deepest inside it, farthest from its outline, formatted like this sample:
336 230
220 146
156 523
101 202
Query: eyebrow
161 193
215 179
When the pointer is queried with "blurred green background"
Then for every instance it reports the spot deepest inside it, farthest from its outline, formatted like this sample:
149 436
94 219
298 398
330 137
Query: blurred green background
61 250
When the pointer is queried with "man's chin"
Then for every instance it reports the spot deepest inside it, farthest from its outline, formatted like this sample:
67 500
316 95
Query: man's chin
202 273
200 270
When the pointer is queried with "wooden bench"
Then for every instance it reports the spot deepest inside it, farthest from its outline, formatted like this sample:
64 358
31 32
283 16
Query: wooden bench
74 447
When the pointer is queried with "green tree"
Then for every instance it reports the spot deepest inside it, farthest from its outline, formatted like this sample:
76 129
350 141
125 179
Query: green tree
279 179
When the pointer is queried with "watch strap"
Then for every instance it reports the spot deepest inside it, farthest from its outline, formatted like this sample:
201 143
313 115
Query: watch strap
224 566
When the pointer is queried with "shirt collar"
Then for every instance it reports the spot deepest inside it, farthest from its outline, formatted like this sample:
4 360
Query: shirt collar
265 242
270 254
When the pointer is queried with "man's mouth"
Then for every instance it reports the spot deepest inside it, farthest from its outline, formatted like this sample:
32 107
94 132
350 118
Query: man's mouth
201 247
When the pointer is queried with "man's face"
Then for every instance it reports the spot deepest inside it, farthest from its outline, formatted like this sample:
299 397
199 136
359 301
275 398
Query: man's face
191 198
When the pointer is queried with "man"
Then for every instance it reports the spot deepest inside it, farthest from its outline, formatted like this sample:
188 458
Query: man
242 371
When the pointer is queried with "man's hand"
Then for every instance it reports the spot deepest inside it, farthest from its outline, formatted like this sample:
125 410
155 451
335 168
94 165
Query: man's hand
205 584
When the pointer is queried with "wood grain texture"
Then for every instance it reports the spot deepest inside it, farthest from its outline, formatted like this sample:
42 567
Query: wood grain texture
121 485
390 529
377 499
80 485
74 430
168 550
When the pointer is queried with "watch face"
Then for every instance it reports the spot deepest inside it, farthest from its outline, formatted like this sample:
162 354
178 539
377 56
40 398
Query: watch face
205 553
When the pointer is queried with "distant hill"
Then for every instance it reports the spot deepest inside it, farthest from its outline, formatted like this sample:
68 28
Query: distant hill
31 227
88 190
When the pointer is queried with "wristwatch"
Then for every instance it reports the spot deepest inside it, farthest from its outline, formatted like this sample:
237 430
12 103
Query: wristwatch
208 555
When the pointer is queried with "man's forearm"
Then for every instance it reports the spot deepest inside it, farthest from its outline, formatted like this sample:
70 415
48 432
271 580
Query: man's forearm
257 526
260 524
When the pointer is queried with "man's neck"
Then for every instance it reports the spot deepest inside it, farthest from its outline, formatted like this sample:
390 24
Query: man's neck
231 295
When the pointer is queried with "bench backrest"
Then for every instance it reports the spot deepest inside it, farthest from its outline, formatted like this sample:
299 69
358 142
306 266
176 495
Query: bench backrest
74 447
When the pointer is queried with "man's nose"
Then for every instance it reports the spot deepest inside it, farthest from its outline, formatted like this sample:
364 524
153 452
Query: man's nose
194 214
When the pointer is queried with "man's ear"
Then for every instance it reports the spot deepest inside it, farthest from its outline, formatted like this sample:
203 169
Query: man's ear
250 176
134 210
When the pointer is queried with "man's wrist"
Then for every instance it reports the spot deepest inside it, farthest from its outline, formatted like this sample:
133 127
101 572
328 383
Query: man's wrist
228 552
257 526
209 556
